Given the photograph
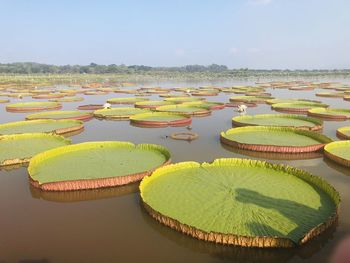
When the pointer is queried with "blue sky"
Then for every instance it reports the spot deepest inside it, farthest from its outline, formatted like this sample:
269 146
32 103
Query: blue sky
262 34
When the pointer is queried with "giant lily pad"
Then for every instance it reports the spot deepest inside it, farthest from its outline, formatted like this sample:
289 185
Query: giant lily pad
68 99
241 202
275 101
19 148
46 126
281 120
344 133
253 99
183 99
298 107
330 94
48 96
152 104
33 106
96 165
336 114
209 104
160 119
60 115
205 93
118 113
274 139
339 152
185 109
90 107
131 100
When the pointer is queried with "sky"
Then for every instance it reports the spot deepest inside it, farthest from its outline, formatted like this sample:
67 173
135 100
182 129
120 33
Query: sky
255 34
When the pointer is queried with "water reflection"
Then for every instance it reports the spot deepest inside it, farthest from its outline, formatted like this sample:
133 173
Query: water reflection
342 169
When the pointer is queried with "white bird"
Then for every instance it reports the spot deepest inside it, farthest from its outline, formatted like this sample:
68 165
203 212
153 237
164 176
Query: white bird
242 108
107 105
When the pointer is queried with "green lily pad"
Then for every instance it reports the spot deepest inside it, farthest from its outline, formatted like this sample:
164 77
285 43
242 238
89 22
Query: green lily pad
183 99
19 148
280 120
254 99
301 107
340 114
274 139
45 126
69 99
152 104
32 106
241 202
131 100
96 165
344 133
59 115
330 94
207 104
185 109
339 152
275 101
160 119
118 113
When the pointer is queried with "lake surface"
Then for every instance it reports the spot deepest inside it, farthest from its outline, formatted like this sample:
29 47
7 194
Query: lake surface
110 225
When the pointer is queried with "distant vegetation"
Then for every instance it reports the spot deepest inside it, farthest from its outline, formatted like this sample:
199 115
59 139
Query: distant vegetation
37 68
25 72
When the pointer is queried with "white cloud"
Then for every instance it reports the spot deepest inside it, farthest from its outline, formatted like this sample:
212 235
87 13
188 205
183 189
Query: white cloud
233 50
180 52
260 2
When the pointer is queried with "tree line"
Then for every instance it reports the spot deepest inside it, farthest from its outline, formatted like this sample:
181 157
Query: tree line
93 68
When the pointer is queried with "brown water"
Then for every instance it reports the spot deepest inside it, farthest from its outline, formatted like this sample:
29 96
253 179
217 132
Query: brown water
110 225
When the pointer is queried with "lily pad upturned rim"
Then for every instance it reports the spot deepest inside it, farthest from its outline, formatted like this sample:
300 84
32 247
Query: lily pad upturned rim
78 125
26 159
184 136
232 239
330 94
275 148
90 107
204 93
141 119
33 106
334 157
318 124
341 133
84 195
326 113
92 183
83 116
